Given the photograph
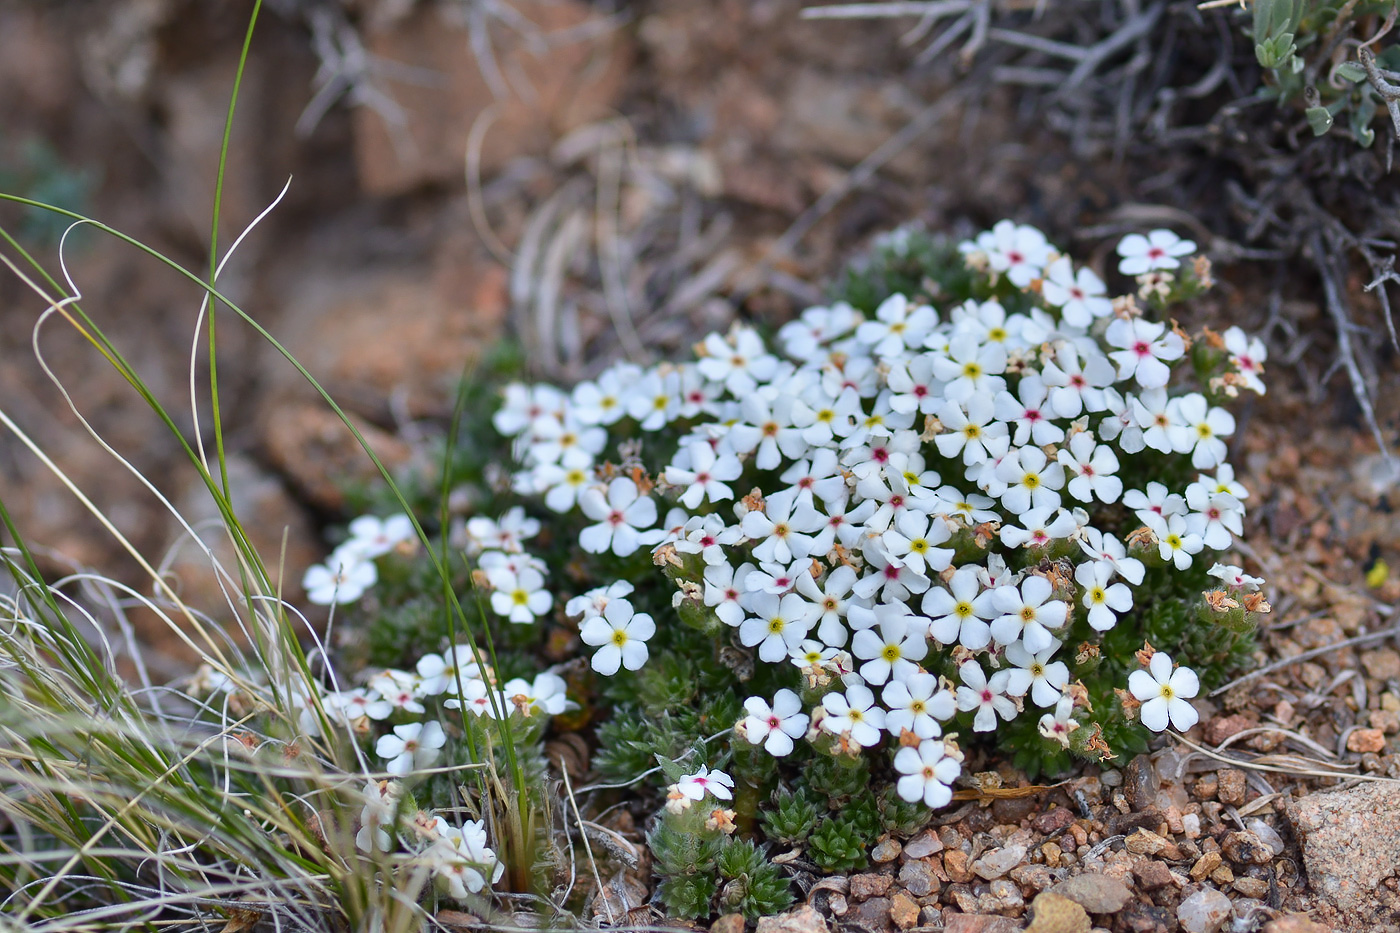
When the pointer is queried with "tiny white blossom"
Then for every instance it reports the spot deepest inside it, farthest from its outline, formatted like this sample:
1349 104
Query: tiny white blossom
988 697
929 773
411 745
854 712
716 783
1160 249
620 634
775 726
1164 693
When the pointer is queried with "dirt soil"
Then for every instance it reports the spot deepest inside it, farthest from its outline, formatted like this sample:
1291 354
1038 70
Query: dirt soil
602 179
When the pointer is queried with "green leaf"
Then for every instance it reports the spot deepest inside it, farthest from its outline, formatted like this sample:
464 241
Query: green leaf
1361 116
1351 71
1320 119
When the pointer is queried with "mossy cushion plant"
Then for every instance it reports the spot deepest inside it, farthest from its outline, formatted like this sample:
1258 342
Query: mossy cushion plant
974 498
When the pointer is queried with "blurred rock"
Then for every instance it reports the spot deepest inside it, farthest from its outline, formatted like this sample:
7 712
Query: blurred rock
802 920
565 71
1054 913
1204 911
310 445
1098 894
1351 841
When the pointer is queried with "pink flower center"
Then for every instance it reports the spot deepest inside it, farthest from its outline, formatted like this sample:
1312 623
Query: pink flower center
1156 252
1142 349
987 695
615 518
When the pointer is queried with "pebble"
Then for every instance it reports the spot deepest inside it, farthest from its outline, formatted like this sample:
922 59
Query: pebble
1098 894
1141 782
1246 848
728 923
1294 923
873 916
918 878
1351 841
886 850
1054 913
867 885
1223 727
904 911
1382 663
1251 887
980 923
1152 874
1012 810
1366 740
1233 786
1053 821
1145 842
802 920
1191 825
955 864
923 845
1035 877
996 863
1002 897
1267 835
1147 918
1204 911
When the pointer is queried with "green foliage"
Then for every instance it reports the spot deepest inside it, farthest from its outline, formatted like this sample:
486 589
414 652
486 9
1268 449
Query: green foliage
907 261
835 845
754 887
862 814
838 776
791 819
902 817
687 897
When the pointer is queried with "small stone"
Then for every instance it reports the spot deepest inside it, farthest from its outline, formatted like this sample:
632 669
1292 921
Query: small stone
918 878
867 885
1233 786
997 862
1054 913
1012 810
930 915
1145 842
1052 854
1223 727
804 919
1098 894
1251 887
955 864
1382 663
1267 835
1204 911
1386 720
1207 785
1053 821
980 923
904 911
923 845
962 898
1366 740
1002 897
1351 841
1032 876
838 905
1147 918
1245 848
886 850
1152 874
1141 782
1295 923
872 916
1191 825
728 923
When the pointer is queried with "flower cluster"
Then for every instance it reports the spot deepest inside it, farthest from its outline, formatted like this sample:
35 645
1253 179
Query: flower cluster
925 490
350 569
458 857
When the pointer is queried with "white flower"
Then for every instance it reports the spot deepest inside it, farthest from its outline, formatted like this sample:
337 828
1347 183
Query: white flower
1039 530
803 338
1248 357
725 591
620 513
1037 673
1059 725
817 478
959 614
716 783
1201 429
988 697
1105 547
893 650
353 704
917 704
568 443
970 426
1077 387
1029 412
655 400
1027 616
381 807
1020 251
622 634
477 698
929 773
854 712
373 537
596 600
777 725
779 624
412 745
1156 500
343 579
547 694
525 406
913 541
1163 693
831 599
1102 599
601 402
1031 480
780 536
740 362
503 535
971 369
707 535
1176 542
706 475
460 859
898 326
1235 577
1158 250
1091 467
1145 346
1214 516
1080 297
520 597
